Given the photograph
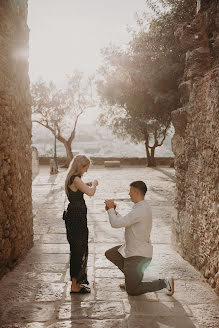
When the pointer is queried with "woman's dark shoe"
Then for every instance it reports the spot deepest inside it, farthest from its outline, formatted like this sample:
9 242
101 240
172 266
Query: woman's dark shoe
122 286
83 290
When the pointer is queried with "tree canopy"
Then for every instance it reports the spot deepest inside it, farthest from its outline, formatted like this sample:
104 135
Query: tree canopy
138 86
59 110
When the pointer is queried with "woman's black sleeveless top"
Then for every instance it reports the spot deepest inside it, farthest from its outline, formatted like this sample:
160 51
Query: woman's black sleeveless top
76 198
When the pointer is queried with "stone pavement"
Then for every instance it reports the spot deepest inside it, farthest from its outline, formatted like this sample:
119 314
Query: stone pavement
36 293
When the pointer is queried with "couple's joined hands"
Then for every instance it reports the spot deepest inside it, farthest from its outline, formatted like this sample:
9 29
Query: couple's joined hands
109 203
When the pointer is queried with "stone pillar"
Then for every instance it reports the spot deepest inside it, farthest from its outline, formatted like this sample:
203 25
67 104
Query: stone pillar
35 162
16 224
196 145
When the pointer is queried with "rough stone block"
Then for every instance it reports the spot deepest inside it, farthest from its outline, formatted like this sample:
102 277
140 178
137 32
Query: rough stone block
15 136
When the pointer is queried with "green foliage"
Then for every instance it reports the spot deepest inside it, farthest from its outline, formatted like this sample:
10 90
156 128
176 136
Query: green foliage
181 10
138 87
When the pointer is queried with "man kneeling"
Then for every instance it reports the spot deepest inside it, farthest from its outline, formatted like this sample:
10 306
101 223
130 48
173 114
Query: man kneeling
134 256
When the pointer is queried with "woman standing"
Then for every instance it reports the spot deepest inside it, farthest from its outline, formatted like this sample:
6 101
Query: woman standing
76 221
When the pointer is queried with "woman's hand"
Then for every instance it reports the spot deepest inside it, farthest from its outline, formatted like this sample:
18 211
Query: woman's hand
89 184
95 183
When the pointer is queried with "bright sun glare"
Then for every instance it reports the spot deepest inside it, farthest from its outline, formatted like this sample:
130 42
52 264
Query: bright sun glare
69 34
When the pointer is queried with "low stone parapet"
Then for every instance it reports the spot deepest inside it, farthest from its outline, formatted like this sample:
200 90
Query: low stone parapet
112 163
124 161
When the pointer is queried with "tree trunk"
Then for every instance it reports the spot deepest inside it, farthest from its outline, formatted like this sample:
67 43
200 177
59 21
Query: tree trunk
68 153
150 155
152 159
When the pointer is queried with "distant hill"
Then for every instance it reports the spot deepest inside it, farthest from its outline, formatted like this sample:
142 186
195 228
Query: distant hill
95 141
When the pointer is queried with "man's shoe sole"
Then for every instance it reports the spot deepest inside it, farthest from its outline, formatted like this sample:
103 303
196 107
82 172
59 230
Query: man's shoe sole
172 287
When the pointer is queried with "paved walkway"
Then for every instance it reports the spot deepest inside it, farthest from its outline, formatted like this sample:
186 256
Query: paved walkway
36 293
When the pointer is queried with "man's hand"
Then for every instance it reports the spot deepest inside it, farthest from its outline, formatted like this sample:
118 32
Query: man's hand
109 204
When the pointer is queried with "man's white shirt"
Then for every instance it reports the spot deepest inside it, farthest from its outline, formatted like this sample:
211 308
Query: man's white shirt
137 224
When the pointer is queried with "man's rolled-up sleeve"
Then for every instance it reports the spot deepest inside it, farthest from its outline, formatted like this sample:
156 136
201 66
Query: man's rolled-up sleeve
118 221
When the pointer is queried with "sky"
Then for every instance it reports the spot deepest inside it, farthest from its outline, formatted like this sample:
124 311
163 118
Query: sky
69 34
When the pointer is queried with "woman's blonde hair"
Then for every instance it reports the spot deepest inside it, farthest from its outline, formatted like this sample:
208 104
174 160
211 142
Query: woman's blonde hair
74 168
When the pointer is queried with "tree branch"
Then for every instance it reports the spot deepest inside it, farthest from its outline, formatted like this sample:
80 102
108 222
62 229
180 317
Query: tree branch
58 137
45 125
72 136
164 134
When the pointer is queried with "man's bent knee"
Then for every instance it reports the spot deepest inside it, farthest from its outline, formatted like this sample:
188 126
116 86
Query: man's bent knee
131 292
132 288
107 254
110 253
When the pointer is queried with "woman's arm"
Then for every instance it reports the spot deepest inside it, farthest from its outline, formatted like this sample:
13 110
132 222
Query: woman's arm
79 184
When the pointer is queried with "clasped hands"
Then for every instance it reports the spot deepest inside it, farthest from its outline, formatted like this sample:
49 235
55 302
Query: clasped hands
109 203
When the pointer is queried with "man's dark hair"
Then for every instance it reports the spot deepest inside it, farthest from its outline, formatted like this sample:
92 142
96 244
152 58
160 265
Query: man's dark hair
140 185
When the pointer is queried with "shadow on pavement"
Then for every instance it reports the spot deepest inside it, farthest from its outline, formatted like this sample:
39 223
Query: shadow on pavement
157 314
165 172
52 178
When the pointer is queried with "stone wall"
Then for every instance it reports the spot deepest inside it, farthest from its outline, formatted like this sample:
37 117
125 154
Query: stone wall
16 230
196 144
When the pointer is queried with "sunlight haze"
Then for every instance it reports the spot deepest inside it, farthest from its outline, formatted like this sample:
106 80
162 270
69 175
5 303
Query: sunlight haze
69 34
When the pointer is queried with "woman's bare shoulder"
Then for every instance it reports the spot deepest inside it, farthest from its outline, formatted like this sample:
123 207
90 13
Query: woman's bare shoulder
77 180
